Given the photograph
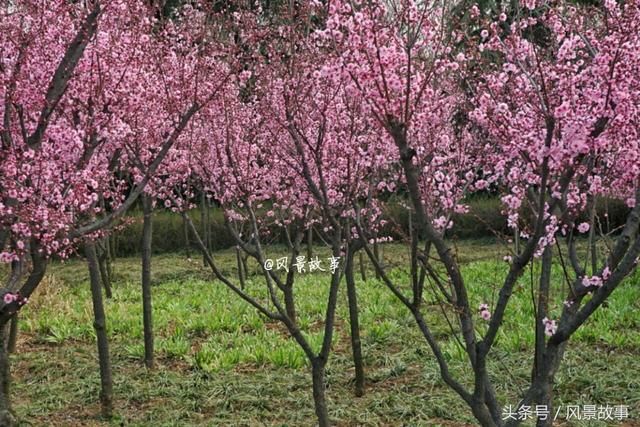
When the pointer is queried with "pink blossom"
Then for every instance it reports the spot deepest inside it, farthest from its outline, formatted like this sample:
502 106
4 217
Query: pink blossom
484 311
475 11
550 326
481 184
592 281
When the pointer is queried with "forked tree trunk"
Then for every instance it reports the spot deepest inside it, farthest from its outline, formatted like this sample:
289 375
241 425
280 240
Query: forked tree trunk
99 323
356 346
541 391
546 365
147 311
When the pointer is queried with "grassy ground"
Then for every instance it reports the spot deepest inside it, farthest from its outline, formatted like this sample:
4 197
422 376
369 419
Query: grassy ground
220 363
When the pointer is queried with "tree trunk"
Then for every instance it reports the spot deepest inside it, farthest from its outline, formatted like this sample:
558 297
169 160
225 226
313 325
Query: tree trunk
207 205
203 221
241 270
592 238
104 274
13 334
356 346
376 253
289 303
546 401
545 393
109 253
363 272
114 246
244 257
6 414
147 312
542 307
187 244
319 391
99 323
310 242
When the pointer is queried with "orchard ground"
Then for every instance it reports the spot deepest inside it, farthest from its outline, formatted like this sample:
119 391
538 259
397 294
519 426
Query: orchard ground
220 363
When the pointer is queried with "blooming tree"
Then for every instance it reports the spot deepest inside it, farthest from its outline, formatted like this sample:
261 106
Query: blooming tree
560 115
551 125
289 153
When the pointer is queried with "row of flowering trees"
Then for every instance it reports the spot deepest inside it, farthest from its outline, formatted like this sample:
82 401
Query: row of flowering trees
313 117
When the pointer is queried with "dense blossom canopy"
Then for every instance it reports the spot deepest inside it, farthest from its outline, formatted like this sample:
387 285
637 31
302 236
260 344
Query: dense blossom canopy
72 118
568 97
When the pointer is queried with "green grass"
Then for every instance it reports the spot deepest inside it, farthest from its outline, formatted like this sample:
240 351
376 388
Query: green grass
221 363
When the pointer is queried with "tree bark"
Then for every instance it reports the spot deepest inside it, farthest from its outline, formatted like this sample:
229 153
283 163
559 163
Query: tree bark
356 346
187 244
13 334
310 242
114 246
244 257
542 307
203 221
592 238
241 270
209 237
147 311
363 272
319 392
104 273
109 254
545 398
99 324
376 253
6 414
289 303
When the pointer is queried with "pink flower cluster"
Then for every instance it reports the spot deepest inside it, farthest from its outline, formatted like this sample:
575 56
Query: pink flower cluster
484 311
592 281
10 297
550 326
